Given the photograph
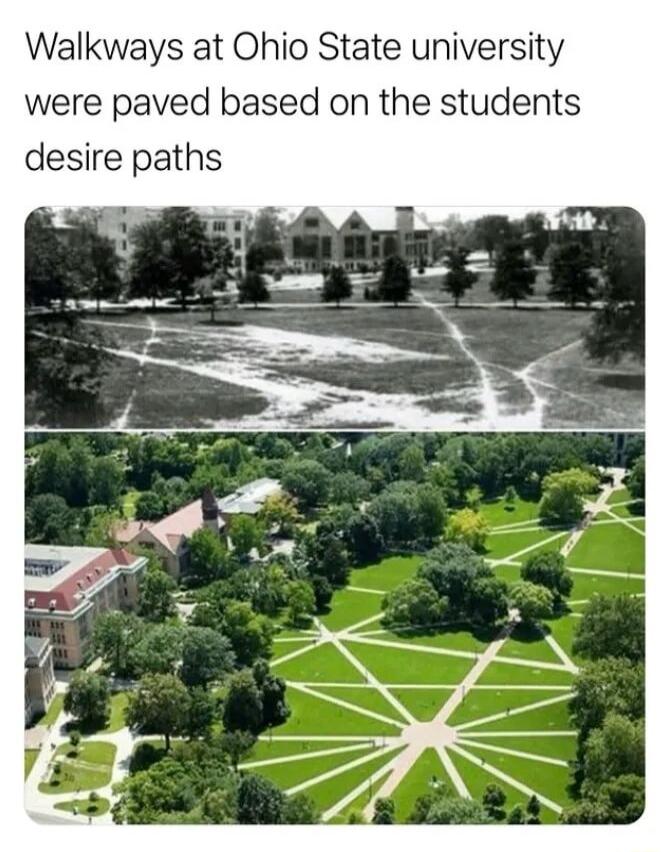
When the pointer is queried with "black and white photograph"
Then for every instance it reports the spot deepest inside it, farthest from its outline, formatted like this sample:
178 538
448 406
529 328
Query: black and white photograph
434 318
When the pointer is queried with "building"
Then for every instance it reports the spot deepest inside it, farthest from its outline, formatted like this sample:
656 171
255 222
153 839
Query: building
39 678
117 223
66 588
169 536
579 227
357 237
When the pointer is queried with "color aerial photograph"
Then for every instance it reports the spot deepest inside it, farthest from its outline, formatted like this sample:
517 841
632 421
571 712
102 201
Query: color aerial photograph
334 627
438 318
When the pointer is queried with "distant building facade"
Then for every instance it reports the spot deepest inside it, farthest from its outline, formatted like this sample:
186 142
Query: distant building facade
39 677
357 237
168 537
66 588
117 224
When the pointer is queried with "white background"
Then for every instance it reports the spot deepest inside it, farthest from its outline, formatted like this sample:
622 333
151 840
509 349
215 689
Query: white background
613 153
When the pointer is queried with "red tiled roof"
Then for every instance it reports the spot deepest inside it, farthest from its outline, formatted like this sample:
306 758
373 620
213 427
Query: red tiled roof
65 594
183 522
126 531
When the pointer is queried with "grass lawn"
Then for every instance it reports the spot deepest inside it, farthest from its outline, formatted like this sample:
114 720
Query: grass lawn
506 545
586 585
628 510
327 793
29 758
87 768
497 674
480 703
609 547
368 698
357 805
385 574
323 663
349 607
562 629
422 703
116 719
287 775
271 749
562 748
528 644
499 513
84 807
620 496
553 717
455 637
311 716
55 709
418 782
282 649
392 665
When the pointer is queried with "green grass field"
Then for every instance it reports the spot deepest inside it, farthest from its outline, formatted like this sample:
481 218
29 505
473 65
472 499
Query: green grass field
84 807
609 547
86 768
29 757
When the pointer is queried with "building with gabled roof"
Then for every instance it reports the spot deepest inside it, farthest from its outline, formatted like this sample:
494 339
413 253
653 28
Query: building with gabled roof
39 678
357 237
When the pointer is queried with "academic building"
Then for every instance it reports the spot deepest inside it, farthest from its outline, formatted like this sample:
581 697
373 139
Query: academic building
38 675
358 237
66 588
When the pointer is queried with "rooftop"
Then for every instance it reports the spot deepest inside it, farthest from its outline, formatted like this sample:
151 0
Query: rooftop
377 218
249 498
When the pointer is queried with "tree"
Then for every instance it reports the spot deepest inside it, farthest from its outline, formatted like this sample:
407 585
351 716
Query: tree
394 285
251 634
384 812
208 556
115 635
490 231
148 270
571 279
431 511
94 262
494 799
45 271
516 816
636 480
279 510
323 591
236 744
245 534
268 228
453 570
300 810
533 808
158 650
536 234
300 602
107 479
469 527
156 602
563 495
442 809
413 603
308 481
510 496
102 528
514 274
275 710
617 748
253 289
201 711
617 330
611 627
363 538
260 802
336 286
606 686
185 249
487 600
532 601
411 463
618 801
158 705
149 506
49 519
87 698
458 277
348 487
206 656
327 555
548 569
243 706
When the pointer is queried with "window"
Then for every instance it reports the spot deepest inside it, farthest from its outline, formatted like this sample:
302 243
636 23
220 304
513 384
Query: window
326 248
311 223
123 227
219 225
237 242
354 247
355 224
237 225
123 245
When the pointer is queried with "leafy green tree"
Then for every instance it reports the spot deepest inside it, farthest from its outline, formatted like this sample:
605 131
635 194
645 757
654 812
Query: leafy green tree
45 260
533 808
431 511
260 802
156 602
149 273
308 481
275 709
50 520
412 464
453 569
619 801
548 569
514 275
617 330
87 698
115 634
617 748
149 506
516 816
158 650
206 656
488 600
280 510
611 626
209 559
158 705
94 263
336 286
606 686
442 809
458 277
323 591
532 601
469 527
536 234
384 812
510 496
494 799
253 289
491 231
571 279
243 706
636 480
251 634
300 810
326 553
300 602
185 249
201 712
563 495
394 284
245 534
413 603
236 745
348 487
106 481
103 528
363 539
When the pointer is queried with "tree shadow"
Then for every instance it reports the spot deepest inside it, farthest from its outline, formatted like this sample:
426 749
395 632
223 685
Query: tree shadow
623 381
220 323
